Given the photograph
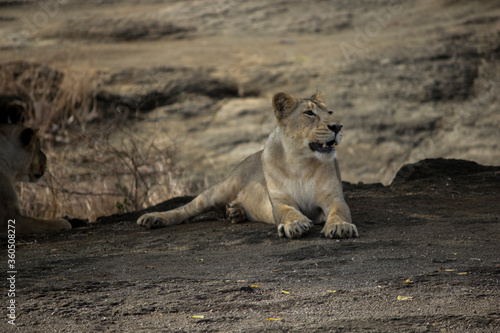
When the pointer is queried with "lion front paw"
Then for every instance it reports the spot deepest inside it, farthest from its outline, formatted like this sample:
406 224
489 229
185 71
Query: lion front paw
151 221
294 229
340 230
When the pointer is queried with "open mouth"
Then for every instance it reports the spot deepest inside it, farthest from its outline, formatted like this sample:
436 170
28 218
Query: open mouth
323 148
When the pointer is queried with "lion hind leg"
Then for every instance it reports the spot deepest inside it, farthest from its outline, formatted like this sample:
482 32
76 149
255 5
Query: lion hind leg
235 212
254 202
214 198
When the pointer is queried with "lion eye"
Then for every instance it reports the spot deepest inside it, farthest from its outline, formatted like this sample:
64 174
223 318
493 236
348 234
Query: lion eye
309 113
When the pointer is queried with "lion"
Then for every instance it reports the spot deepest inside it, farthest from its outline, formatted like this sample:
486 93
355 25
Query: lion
292 183
21 159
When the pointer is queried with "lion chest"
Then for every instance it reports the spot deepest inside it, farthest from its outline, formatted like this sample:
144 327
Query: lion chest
307 194
296 176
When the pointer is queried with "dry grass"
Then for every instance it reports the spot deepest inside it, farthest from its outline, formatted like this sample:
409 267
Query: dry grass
103 178
51 100
91 172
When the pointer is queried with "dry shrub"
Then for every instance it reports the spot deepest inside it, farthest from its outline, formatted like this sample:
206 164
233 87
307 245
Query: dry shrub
89 175
52 100
103 179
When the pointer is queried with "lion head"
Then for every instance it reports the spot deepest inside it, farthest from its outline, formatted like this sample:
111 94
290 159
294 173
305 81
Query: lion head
21 152
308 124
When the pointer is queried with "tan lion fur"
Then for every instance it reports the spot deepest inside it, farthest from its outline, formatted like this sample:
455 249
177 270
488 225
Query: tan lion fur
293 182
21 159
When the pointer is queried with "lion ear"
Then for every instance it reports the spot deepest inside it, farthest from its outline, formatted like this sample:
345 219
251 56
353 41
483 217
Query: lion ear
283 105
318 96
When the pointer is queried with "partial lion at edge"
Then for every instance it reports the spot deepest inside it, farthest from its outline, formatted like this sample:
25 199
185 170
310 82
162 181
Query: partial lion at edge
21 159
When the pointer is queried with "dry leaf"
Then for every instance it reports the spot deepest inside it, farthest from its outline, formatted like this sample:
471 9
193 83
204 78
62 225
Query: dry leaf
447 269
404 298
198 317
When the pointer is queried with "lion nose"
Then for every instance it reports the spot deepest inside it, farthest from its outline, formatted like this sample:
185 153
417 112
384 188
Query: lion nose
335 128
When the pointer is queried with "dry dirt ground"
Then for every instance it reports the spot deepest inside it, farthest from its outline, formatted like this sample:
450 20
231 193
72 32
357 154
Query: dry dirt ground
410 81
427 260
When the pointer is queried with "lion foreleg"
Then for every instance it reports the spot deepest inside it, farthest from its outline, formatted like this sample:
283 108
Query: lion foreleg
291 222
339 223
28 225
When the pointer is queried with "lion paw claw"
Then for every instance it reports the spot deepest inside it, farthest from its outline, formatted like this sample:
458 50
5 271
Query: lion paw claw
340 230
150 221
293 229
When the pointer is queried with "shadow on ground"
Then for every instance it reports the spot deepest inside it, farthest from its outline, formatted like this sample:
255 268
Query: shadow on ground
427 259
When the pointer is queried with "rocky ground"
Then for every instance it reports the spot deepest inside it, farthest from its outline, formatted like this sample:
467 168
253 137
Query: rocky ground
409 80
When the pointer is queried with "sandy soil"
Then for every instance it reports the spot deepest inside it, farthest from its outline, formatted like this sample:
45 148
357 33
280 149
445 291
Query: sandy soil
427 260
409 82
